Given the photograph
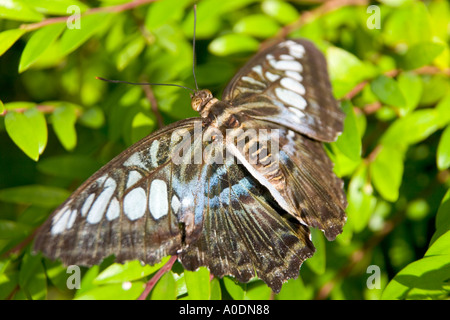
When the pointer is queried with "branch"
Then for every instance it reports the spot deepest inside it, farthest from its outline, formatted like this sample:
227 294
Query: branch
111 9
165 268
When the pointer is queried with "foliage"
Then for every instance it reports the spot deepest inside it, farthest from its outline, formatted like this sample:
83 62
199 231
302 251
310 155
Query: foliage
59 124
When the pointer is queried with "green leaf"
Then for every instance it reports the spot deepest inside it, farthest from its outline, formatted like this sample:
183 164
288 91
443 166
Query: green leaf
349 142
165 288
442 218
434 88
256 25
142 125
19 10
130 52
294 289
216 291
387 171
87 281
129 271
63 121
423 279
73 38
443 152
257 290
408 25
56 7
346 70
8 38
92 118
38 43
317 262
361 201
69 166
443 111
412 128
28 130
440 246
233 43
2 107
233 289
282 11
421 54
38 195
118 291
411 87
388 91
198 284
11 229
162 12
32 279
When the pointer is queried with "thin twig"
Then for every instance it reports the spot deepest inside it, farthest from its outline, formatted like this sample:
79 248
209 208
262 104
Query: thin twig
149 286
110 9
154 105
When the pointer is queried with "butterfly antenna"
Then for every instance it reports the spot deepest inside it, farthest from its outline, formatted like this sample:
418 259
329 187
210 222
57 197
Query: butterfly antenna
193 46
145 83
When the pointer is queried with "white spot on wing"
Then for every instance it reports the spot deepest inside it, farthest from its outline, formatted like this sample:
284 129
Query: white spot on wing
294 75
133 177
135 204
134 160
72 218
95 214
113 210
272 77
293 85
286 65
59 221
87 204
154 153
296 50
291 98
175 204
286 57
297 112
158 200
252 81
258 70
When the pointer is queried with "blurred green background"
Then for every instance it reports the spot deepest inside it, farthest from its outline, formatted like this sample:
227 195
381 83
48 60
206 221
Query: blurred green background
389 65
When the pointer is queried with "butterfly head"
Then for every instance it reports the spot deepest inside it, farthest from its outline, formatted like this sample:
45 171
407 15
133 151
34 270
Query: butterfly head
200 99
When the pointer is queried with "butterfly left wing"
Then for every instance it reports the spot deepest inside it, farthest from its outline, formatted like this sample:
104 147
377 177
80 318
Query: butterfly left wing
288 84
146 204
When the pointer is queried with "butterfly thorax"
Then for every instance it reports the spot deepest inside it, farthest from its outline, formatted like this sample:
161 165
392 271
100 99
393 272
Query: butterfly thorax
217 113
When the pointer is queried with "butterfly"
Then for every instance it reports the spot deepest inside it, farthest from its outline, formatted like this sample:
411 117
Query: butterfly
237 217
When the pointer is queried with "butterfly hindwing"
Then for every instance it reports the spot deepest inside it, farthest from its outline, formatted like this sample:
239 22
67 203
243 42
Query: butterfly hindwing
288 84
245 233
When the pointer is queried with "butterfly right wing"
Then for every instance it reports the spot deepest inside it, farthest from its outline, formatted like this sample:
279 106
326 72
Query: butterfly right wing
288 84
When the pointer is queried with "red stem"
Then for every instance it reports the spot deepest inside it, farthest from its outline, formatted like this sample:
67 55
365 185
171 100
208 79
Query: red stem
149 286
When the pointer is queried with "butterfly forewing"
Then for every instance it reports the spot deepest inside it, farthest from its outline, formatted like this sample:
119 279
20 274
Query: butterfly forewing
288 84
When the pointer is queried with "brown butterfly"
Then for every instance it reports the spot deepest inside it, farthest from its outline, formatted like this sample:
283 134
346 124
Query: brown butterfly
237 217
